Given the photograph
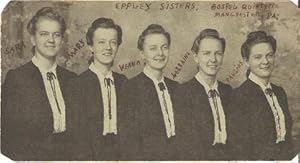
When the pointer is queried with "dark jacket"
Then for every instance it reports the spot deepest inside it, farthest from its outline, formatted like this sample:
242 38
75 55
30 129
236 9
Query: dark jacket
142 130
195 122
26 116
252 126
85 119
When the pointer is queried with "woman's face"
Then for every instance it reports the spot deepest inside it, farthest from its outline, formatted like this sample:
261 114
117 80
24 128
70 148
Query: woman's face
210 56
105 45
156 51
261 60
47 38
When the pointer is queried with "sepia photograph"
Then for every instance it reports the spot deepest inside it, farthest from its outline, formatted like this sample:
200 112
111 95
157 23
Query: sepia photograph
150 80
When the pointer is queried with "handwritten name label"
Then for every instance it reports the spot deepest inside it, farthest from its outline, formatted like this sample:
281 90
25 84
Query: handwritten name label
180 64
130 64
235 71
15 49
75 48
145 6
261 10
177 5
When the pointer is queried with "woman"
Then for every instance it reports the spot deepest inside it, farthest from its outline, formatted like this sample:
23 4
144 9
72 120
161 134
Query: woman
201 103
33 106
260 122
93 105
147 119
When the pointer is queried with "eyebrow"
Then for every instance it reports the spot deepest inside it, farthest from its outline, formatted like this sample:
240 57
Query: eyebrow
103 39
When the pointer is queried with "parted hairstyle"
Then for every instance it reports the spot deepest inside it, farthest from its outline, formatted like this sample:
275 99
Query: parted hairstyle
103 23
256 38
49 13
152 29
207 33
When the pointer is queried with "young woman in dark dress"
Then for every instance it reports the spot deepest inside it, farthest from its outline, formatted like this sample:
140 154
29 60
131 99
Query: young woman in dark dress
147 118
201 103
33 110
92 119
260 123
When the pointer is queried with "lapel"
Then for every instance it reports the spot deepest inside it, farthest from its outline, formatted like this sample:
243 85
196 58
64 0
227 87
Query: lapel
148 87
118 83
281 97
224 95
263 120
149 107
94 103
62 80
201 111
36 82
36 79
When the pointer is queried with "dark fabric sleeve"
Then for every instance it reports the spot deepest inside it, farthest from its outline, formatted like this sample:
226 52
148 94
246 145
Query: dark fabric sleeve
183 123
289 148
9 111
238 127
128 124
76 122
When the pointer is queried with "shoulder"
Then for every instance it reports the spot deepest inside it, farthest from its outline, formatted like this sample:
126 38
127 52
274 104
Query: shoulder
86 75
137 84
188 87
171 83
66 73
25 69
246 87
226 88
21 72
190 84
119 77
137 79
85 78
247 93
278 90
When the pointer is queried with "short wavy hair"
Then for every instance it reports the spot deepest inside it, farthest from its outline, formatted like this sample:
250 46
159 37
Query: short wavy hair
103 23
207 33
152 29
49 13
255 38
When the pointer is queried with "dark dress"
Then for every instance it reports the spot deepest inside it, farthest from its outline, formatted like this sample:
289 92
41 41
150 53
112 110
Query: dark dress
142 131
26 116
195 122
85 119
252 126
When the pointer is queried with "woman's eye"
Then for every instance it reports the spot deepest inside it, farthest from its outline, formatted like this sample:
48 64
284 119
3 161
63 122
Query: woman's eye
43 34
113 42
57 35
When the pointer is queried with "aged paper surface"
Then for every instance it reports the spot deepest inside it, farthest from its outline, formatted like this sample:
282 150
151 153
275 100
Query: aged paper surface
183 20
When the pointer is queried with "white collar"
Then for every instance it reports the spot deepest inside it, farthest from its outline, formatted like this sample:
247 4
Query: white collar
149 74
205 85
37 63
94 69
257 81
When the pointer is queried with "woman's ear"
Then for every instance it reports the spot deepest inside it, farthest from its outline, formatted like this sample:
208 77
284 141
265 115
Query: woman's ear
195 56
91 48
142 54
32 39
246 61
